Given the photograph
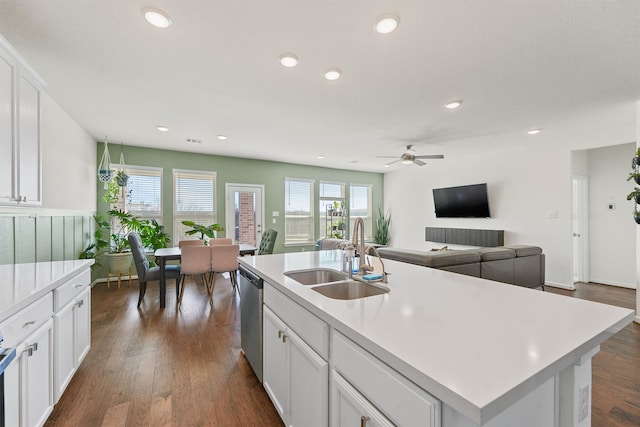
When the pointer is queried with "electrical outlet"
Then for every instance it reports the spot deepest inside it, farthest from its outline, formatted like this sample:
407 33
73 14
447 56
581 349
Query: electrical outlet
583 409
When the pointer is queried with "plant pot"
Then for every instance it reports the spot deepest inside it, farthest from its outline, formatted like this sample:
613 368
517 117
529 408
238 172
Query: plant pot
636 161
636 218
637 199
119 263
637 179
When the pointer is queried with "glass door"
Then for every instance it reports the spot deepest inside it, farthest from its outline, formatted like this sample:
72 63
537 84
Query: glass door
244 213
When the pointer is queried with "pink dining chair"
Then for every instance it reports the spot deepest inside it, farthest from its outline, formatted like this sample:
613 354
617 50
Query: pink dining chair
191 242
223 241
224 259
195 261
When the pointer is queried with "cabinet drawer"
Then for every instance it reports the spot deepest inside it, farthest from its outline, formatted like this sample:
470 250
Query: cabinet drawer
311 329
395 396
16 328
70 289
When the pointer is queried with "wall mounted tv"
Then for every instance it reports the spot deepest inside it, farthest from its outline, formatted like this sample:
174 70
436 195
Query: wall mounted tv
467 201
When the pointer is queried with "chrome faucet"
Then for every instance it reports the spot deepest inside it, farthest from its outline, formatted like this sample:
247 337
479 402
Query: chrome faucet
358 224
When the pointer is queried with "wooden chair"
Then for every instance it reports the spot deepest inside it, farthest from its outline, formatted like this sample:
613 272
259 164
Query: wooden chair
222 241
146 274
224 259
195 261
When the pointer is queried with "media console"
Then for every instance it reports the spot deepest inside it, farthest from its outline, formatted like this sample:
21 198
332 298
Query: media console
465 236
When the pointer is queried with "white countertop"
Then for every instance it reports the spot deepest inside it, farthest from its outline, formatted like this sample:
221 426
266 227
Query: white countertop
23 284
475 344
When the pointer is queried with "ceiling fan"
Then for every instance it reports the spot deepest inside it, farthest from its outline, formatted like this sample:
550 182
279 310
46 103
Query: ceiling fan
409 157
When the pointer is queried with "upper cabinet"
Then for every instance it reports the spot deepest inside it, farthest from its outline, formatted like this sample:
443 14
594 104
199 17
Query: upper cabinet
20 152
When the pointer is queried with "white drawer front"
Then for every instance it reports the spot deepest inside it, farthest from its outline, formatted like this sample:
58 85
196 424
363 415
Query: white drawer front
16 328
395 396
311 329
69 290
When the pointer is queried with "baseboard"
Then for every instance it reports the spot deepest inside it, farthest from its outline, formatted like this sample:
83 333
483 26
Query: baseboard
620 285
637 319
113 280
561 286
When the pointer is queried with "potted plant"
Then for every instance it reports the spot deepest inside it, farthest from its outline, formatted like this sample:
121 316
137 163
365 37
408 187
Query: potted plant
635 195
636 160
635 176
209 231
636 216
383 221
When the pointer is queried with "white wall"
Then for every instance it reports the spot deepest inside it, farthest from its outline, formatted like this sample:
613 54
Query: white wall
68 161
611 230
528 179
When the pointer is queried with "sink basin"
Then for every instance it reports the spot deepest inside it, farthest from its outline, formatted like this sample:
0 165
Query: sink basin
315 276
350 289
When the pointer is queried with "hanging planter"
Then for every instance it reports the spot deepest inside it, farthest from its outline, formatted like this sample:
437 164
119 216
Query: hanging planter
105 174
636 216
121 176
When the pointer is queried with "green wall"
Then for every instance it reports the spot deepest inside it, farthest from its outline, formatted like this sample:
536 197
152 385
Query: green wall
240 171
30 238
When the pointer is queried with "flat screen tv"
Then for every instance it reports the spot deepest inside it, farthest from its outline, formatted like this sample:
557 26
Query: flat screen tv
467 201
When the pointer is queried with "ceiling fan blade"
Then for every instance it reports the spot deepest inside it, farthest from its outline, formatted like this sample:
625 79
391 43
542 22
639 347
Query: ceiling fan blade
387 157
390 163
418 162
431 156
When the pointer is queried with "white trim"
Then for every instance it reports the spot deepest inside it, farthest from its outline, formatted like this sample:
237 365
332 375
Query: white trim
193 171
609 283
560 285
230 207
13 53
36 212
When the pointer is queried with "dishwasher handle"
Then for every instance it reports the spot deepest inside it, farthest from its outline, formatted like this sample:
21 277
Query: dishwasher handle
254 279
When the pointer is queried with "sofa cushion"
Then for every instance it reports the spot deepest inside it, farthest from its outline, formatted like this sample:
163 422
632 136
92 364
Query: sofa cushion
494 254
525 250
430 259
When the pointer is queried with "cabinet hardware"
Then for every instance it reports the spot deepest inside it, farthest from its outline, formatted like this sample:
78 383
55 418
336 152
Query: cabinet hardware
79 286
30 349
284 337
80 303
363 421
29 323
280 333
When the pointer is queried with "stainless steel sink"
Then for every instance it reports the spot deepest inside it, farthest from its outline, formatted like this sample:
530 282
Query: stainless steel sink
350 289
316 276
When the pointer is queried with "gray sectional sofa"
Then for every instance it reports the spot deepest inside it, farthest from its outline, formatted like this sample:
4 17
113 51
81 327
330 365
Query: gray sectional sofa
520 265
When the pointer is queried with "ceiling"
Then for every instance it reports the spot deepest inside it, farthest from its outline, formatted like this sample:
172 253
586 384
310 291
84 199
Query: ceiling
566 66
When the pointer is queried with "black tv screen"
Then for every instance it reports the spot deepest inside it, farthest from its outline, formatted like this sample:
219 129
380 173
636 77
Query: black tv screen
467 201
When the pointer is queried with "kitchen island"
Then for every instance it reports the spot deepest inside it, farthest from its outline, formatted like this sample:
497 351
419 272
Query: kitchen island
470 351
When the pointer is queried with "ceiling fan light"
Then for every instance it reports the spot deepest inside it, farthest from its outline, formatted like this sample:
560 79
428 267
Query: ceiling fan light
407 161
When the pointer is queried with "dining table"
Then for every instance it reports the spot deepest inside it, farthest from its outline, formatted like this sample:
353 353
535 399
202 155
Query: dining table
172 254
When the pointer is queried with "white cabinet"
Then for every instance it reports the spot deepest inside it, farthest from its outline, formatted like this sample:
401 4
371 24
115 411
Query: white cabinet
389 396
72 333
20 154
296 377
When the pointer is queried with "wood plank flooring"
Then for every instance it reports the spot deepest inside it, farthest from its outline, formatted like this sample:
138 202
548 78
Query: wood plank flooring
184 368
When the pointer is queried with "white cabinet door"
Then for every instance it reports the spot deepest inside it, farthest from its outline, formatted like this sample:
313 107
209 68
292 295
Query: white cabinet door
7 157
29 143
350 408
309 384
82 326
64 359
37 377
276 365
13 390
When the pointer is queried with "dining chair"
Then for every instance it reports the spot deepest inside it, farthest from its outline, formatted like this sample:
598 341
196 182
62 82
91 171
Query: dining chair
221 241
148 274
195 261
190 242
267 242
224 259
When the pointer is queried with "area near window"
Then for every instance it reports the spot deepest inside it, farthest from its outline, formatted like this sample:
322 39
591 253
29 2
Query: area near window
360 207
298 211
142 194
333 211
195 200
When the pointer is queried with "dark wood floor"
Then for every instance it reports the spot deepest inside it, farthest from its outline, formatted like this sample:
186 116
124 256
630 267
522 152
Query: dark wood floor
167 368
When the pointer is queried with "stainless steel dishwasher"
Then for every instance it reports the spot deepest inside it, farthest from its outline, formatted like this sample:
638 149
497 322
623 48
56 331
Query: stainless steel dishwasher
6 356
251 319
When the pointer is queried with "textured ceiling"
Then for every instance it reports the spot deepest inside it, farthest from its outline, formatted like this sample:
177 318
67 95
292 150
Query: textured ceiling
566 66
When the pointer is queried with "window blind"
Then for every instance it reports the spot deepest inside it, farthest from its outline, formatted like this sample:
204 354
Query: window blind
298 212
195 200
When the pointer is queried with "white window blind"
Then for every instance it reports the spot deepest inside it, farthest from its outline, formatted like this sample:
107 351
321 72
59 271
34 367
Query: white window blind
298 211
360 207
142 195
195 200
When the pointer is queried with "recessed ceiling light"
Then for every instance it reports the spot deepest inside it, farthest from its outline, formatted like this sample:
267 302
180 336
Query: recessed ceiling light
156 17
162 128
222 137
453 104
387 24
289 60
333 74
321 157
534 131
386 166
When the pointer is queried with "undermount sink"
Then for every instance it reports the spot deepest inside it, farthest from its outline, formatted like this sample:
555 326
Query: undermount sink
316 276
350 289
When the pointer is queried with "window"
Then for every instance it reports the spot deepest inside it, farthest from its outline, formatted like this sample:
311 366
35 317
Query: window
298 212
332 210
142 195
195 200
360 207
